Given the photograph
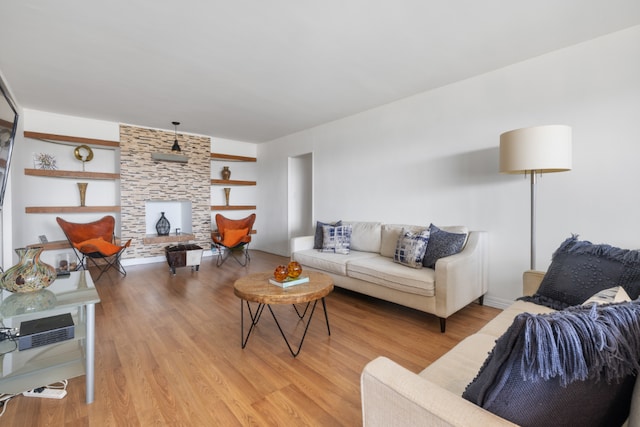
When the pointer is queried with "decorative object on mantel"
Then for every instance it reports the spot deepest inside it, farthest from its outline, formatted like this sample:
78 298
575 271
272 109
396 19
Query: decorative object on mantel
29 274
163 226
82 188
44 161
176 146
226 173
84 153
227 191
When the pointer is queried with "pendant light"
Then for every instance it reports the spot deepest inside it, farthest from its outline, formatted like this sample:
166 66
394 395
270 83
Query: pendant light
176 146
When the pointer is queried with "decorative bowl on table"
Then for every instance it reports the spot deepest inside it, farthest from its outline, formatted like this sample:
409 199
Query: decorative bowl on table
294 269
281 273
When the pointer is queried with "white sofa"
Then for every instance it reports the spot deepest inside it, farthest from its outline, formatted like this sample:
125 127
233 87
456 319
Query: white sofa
456 281
395 396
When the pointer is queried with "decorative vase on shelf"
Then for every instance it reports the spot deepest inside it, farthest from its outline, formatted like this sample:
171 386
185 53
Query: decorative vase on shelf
226 173
163 226
29 274
227 191
82 188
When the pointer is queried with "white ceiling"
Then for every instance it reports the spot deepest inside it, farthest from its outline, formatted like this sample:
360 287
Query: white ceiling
255 70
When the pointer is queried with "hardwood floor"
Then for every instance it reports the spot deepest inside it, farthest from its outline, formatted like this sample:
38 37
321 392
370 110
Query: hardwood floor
168 353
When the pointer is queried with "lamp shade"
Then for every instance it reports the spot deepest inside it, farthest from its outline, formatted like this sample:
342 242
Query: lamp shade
539 148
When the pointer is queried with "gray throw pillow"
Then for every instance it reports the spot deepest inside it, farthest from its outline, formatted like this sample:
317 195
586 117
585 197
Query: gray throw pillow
442 244
580 269
575 367
318 237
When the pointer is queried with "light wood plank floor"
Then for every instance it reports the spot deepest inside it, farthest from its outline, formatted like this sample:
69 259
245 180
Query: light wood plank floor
168 353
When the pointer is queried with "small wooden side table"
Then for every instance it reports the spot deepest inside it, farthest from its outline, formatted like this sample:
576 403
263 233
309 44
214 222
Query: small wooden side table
256 288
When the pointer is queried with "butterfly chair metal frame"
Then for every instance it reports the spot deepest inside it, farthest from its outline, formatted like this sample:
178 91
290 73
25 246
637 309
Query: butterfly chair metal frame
95 241
232 238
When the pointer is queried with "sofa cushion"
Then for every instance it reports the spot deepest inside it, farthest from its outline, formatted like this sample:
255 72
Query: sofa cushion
571 367
411 247
232 237
456 369
383 271
504 319
329 262
441 244
365 236
390 234
319 235
579 269
336 239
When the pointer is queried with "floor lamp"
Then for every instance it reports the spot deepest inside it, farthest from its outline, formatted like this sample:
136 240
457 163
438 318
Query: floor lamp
534 151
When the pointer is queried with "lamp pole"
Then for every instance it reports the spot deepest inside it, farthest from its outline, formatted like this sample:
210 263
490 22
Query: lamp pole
533 219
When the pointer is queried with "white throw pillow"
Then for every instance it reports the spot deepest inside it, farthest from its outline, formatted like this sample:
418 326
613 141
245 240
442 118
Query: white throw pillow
411 248
608 296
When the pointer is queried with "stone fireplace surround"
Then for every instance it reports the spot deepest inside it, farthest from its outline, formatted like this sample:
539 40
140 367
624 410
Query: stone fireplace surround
143 180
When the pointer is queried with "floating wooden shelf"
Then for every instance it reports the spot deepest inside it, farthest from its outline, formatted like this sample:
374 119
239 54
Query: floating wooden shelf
71 209
232 158
150 239
71 174
50 246
231 182
58 244
233 208
71 139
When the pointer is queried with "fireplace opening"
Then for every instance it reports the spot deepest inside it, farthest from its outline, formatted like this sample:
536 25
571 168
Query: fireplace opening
177 212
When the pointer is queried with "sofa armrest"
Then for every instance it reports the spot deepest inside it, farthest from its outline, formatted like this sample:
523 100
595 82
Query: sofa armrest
462 277
531 280
301 243
394 396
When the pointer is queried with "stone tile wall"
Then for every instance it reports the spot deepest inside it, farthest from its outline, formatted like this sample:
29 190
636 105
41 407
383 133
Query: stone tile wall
143 179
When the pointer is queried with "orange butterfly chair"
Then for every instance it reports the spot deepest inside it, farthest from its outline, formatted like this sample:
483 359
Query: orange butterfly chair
232 237
95 241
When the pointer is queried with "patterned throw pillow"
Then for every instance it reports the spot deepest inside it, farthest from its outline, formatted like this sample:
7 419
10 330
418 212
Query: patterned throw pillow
336 239
411 248
609 296
318 237
442 244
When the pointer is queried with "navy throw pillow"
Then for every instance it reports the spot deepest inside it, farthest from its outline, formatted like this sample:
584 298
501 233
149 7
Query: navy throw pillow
580 269
575 367
442 244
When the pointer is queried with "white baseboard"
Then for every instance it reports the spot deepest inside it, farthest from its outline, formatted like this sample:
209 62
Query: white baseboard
494 302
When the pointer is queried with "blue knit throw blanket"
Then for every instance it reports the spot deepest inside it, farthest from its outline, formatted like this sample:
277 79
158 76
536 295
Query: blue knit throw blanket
580 343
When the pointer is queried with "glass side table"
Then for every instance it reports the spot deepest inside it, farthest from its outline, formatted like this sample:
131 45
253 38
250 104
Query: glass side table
28 369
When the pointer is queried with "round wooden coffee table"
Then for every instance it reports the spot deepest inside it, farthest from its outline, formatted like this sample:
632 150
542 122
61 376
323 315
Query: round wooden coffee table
256 288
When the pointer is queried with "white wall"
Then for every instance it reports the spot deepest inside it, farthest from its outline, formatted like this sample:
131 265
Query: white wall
433 157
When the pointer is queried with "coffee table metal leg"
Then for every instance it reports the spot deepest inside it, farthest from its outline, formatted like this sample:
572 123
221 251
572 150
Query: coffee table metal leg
294 353
301 316
324 307
255 317
326 316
